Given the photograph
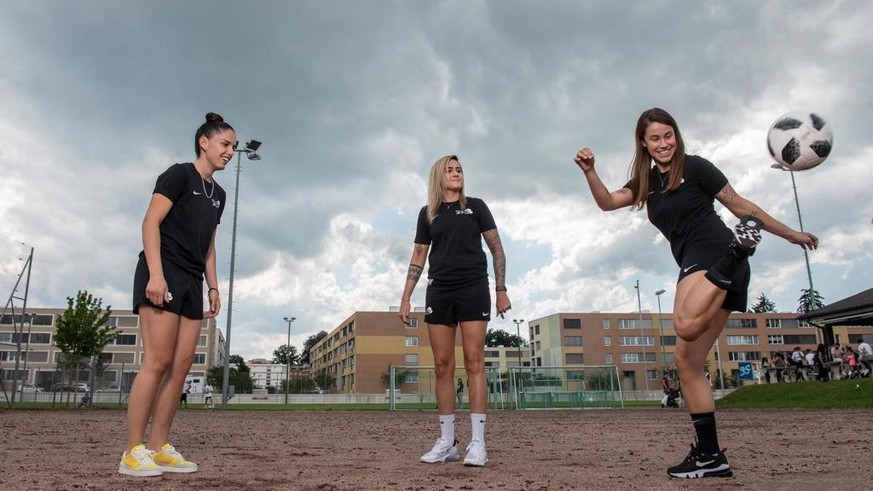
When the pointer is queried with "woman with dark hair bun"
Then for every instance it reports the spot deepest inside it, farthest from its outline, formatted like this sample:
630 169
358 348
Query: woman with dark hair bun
178 235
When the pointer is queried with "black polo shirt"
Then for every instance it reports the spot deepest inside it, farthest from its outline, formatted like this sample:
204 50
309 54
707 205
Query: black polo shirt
455 236
186 231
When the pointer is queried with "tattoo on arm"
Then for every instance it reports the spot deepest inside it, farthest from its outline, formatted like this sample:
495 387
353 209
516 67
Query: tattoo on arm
623 191
492 239
726 194
414 272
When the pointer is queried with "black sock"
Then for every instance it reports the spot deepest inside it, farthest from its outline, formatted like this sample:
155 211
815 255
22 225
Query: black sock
707 436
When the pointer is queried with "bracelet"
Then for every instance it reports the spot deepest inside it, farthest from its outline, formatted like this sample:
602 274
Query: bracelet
210 291
500 288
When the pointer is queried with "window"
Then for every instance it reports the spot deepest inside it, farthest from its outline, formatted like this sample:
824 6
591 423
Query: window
799 339
774 323
411 359
634 324
775 339
572 323
124 357
492 354
572 340
607 341
605 323
126 339
666 323
575 375
573 358
128 321
112 321
668 358
199 358
607 358
636 341
537 329
637 357
668 340
742 323
41 320
413 323
741 340
744 355
201 341
411 341
652 375
11 338
40 338
411 377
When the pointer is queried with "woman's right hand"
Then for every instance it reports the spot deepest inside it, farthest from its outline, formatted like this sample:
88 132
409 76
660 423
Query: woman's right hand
156 291
585 159
404 311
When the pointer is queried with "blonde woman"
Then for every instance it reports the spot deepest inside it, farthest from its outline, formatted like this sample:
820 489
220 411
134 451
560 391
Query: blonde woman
451 226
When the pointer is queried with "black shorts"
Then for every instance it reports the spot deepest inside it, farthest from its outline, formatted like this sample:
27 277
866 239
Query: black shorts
451 305
704 256
187 290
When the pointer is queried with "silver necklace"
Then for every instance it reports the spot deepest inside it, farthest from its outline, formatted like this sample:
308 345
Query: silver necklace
211 190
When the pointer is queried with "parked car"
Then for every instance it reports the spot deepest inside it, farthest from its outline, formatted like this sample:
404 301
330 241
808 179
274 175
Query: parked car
30 389
61 388
83 387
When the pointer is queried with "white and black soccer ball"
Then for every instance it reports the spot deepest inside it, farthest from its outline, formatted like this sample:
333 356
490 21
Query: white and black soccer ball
800 140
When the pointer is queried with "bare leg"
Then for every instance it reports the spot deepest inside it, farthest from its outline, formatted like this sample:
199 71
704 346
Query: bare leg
174 380
473 339
690 358
696 303
157 329
442 342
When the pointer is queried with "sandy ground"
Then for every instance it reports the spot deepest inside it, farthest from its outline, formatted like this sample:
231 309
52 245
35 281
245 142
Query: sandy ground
333 450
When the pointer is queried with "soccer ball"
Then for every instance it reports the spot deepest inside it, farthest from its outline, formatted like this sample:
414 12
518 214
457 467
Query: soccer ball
799 140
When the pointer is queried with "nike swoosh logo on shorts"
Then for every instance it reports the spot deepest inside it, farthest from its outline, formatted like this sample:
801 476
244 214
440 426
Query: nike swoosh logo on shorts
689 267
486 314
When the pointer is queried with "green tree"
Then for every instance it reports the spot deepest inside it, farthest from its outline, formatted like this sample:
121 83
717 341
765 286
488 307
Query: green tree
499 337
82 333
324 380
240 376
809 301
308 344
286 355
399 377
763 304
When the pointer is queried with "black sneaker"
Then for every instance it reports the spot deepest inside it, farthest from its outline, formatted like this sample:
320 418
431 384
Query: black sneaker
701 464
747 235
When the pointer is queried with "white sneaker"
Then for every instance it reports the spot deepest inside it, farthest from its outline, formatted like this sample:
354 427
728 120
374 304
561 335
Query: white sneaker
138 462
442 451
476 454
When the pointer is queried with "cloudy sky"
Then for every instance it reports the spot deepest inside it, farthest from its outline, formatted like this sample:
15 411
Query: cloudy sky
354 101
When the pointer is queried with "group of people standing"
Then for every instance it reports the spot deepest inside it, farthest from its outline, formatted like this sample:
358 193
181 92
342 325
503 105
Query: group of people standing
823 364
677 190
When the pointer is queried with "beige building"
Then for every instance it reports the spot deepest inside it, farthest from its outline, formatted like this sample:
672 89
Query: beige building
642 345
121 359
359 351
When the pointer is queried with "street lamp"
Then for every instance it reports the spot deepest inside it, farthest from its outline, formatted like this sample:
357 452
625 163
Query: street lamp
518 322
642 335
810 294
661 328
289 320
251 146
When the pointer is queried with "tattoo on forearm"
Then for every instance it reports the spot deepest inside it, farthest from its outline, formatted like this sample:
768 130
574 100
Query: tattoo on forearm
727 193
414 272
492 239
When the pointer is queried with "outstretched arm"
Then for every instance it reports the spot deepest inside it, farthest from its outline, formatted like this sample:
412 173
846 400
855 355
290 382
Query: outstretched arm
605 200
741 207
492 239
416 267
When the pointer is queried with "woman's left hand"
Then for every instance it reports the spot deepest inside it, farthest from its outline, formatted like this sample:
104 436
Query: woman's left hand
503 304
804 239
214 304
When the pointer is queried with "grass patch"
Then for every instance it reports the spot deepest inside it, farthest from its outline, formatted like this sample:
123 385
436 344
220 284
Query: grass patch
836 394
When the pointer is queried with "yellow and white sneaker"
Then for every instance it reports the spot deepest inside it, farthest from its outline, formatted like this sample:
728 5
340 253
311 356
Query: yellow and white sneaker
169 460
138 462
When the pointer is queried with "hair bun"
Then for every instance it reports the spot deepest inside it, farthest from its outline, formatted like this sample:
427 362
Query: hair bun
214 118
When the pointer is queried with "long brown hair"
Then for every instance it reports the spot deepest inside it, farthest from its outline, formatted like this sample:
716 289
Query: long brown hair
642 162
436 187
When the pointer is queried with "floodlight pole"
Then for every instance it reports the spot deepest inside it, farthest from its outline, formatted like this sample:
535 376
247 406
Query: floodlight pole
642 335
518 322
251 146
289 320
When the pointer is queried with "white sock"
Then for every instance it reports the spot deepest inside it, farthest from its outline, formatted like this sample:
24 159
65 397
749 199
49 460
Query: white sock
478 422
447 427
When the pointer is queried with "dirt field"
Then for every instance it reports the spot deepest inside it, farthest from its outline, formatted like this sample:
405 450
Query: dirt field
332 450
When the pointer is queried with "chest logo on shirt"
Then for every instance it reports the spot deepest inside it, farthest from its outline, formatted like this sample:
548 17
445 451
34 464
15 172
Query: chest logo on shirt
216 203
466 211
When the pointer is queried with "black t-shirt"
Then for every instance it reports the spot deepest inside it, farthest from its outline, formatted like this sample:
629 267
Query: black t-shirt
186 231
456 255
687 217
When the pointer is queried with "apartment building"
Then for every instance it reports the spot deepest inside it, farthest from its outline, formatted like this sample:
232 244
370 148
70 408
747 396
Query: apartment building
121 359
641 345
358 352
